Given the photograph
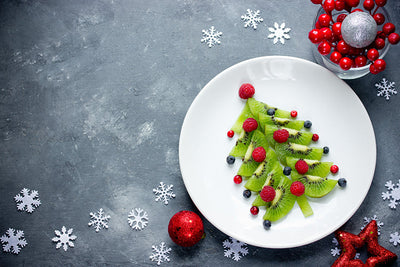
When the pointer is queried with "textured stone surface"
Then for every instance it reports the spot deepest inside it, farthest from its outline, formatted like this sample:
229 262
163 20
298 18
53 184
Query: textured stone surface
92 99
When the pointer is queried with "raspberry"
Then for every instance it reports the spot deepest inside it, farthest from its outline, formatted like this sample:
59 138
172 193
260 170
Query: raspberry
301 166
297 188
281 136
259 154
250 125
267 193
246 91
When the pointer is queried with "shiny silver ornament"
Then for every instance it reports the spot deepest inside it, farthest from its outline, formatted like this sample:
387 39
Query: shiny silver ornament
359 29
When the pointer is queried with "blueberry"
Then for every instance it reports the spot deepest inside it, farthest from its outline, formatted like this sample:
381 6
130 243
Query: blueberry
307 124
271 111
342 182
326 150
247 193
230 159
267 224
287 171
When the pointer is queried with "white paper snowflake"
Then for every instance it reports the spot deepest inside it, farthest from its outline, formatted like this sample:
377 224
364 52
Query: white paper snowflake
13 242
164 193
234 249
27 201
393 194
378 222
336 250
395 238
160 253
99 220
386 89
252 18
64 238
279 33
211 37
139 220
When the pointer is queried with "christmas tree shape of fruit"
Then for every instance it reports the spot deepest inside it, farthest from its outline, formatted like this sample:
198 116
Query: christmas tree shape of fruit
280 165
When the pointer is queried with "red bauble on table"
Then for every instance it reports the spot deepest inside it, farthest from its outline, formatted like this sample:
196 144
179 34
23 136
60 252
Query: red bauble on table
186 228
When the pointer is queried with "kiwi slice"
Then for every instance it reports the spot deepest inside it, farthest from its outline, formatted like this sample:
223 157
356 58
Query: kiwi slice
246 113
315 186
257 107
295 136
242 143
288 149
249 165
273 178
257 179
304 205
282 203
315 167
283 122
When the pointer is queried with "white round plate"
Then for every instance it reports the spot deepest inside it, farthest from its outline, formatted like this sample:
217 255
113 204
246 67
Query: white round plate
338 116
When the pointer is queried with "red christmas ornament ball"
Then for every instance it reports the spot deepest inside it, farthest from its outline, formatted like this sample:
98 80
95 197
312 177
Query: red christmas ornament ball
186 228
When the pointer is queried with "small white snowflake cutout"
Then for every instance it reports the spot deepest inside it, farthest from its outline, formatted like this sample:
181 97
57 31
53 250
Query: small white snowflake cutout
138 219
386 89
13 241
336 250
378 222
164 193
395 238
252 18
99 220
234 249
393 195
160 253
279 33
27 201
64 238
211 36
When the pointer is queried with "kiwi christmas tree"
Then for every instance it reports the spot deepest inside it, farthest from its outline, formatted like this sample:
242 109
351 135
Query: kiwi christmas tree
353 35
279 164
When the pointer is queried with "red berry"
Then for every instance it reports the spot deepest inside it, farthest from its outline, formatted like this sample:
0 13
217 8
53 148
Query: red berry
250 125
293 113
379 18
357 10
337 28
341 17
342 47
329 5
259 154
340 5
334 169
373 69
230 133
317 2
324 20
324 48
345 63
379 43
380 3
352 3
372 54
281 136
381 34
388 28
301 166
267 193
297 188
394 38
335 57
380 64
315 137
326 33
360 61
246 90
254 210
314 36
368 4
237 179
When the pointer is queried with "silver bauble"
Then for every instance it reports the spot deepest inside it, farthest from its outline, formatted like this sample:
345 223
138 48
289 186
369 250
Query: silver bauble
359 29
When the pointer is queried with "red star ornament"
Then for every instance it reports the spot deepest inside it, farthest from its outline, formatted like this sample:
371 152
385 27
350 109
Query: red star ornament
379 256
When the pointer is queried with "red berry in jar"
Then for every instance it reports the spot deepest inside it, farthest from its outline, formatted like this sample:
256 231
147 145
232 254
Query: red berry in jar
237 179
317 2
379 43
373 69
372 54
352 3
341 17
230 133
357 10
340 5
329 5
326 33
335 57
345 63
380 3
394 38
380 64
379 18
324 48
381 34
337 28
368 4
324 20
360 61
314 36
388 28
342 47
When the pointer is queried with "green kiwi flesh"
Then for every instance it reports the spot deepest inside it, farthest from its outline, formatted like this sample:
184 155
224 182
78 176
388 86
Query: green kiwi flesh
242 143
257 107
283 122
295 136
305 207
284 150
246 113
315 186
315 167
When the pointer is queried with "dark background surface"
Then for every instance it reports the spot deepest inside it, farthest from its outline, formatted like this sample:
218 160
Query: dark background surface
92 98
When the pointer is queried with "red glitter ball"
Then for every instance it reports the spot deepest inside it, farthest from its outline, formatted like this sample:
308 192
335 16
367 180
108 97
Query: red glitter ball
186 228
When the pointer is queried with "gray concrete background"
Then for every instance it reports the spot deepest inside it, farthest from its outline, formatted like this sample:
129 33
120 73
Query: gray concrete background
92 99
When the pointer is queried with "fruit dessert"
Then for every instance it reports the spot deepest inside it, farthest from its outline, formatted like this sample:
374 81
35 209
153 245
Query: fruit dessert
280 165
